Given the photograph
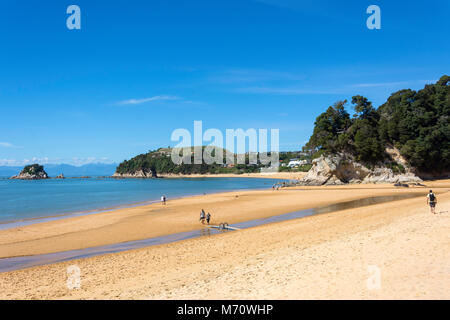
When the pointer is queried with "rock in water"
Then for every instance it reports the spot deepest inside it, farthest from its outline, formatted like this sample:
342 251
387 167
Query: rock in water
136 174
341 168
32 172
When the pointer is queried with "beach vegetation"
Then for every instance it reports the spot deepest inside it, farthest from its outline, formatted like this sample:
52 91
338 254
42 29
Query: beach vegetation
417 123
33 169
160 162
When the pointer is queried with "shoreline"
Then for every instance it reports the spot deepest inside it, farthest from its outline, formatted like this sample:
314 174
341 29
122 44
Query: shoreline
16 223
22 262
269 175
179 215
317 257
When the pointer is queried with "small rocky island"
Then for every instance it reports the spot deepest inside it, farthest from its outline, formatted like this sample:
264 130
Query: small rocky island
32 172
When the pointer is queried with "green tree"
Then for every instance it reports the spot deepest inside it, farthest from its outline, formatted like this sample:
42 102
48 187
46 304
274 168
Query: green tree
417 123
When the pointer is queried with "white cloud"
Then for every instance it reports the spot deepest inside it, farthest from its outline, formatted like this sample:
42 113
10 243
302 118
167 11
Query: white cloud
326 90
286 91
393 84
8 162
144 100
82 161
251 76
15 162
45 160
6 145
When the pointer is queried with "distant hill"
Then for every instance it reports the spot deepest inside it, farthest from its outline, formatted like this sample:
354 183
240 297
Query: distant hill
91 169
7 171
159 161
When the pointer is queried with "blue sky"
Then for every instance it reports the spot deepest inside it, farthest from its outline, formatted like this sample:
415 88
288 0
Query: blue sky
137 70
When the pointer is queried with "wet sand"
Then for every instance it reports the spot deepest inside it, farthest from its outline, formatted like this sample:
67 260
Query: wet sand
323 256
178 215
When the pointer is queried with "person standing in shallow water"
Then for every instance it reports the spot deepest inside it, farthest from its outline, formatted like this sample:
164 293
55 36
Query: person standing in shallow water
432 200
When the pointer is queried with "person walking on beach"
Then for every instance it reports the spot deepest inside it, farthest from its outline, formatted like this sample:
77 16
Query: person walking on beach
202 216
163 200
432 200
208 218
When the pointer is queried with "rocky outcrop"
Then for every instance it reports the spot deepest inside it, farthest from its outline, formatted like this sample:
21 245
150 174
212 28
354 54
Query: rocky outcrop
341 168
32 172
395 155
386 175
137 174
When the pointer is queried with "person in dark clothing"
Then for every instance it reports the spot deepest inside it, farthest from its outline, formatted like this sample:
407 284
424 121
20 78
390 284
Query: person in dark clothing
432 200
208 218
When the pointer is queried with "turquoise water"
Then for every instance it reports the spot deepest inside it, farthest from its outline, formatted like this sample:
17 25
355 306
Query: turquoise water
21 200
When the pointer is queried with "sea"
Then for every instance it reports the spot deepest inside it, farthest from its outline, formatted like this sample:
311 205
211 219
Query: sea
33 199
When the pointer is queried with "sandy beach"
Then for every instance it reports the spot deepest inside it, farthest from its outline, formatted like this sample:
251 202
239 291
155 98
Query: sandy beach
327 256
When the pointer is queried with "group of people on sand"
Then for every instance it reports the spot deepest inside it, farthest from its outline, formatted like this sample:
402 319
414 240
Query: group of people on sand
279 185
431 201
204 217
